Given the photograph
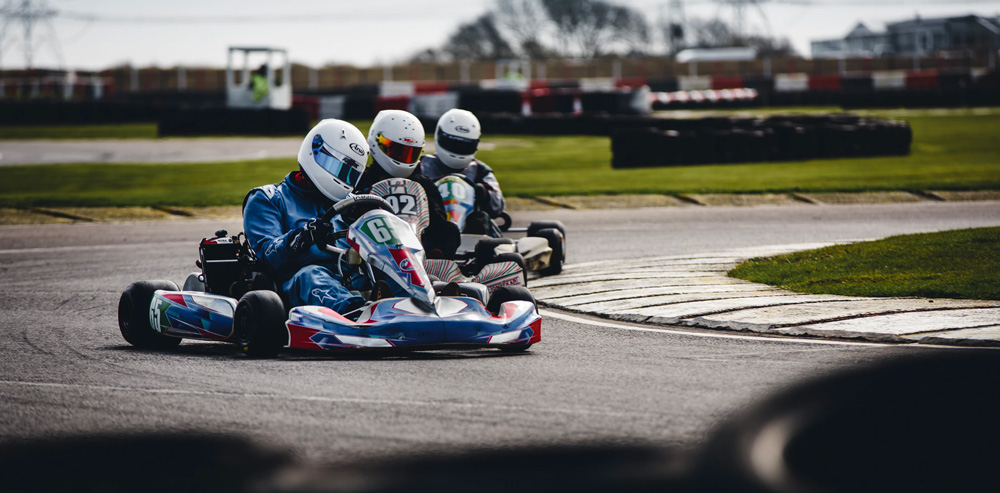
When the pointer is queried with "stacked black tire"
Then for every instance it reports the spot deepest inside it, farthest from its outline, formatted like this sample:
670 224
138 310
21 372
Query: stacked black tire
663 142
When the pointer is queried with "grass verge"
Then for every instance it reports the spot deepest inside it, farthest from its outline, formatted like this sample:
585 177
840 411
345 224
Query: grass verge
952 151
962 264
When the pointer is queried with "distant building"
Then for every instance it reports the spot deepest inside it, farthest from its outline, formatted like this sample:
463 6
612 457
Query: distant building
917 36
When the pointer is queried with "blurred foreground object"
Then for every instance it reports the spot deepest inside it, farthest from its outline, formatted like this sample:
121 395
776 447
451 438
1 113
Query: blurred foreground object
920 423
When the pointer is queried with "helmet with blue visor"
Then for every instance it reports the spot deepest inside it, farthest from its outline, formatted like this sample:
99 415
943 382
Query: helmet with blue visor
333 156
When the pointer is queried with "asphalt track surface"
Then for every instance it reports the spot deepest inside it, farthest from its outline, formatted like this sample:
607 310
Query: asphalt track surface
65 370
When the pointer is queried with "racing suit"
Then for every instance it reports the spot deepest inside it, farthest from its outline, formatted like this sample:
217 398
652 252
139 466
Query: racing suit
272 215
441 238
476 173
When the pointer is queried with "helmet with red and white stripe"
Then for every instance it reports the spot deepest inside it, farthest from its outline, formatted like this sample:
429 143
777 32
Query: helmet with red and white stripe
396 139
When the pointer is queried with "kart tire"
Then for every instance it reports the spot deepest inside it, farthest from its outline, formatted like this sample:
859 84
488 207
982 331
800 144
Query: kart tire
515 348
133 316
504 294
259 324
485 249
537 226
557 242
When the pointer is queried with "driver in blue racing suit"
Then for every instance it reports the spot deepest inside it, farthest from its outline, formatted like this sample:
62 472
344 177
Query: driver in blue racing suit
282 221
457 139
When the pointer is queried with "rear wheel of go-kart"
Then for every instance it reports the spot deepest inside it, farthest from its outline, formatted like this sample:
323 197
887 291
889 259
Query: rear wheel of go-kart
259 324
502 295
537 226
557 242
133 315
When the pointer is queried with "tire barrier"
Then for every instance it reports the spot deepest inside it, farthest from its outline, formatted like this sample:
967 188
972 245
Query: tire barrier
228 121
47 112
556 99
661 142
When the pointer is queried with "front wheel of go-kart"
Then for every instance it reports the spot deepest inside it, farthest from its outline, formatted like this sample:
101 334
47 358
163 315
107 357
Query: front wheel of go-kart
259 324
502 295
557 242
134 319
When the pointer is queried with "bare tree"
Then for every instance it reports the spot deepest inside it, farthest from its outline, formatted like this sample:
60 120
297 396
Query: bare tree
716 33
478 40
546 29
527 24
427 55
589 28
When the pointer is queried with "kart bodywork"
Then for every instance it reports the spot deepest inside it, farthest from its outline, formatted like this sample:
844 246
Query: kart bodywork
385 247
543 246
409 201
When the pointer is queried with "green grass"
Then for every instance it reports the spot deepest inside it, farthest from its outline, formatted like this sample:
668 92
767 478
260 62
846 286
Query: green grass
955 150
69 132
961 263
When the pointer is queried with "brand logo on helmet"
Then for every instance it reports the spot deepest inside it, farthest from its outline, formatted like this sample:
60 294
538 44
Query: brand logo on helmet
356 148
409 140
462 129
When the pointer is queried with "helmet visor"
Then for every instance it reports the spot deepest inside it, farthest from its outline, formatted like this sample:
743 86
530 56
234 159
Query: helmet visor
399 152
463 146
338 164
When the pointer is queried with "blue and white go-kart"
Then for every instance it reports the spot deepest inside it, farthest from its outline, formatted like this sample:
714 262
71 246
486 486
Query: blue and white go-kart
383 247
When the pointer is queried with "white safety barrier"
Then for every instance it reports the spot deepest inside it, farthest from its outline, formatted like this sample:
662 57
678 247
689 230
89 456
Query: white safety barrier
889 80
796 82
432 106
332 106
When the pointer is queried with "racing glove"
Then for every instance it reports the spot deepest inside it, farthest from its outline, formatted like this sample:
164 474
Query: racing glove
482 197
315 232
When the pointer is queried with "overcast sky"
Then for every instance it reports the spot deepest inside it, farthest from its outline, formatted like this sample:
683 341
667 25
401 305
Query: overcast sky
364 33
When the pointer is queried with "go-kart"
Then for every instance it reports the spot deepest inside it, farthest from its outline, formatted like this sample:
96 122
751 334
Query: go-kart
543 245
484 264
383 248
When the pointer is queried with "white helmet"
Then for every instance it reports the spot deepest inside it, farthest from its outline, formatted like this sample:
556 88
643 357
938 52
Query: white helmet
333 156
396 140
457 138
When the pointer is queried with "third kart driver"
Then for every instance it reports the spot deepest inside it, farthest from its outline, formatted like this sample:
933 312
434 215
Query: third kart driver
457 139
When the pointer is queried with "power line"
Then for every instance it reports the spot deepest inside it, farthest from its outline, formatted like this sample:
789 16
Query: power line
27 15
328 17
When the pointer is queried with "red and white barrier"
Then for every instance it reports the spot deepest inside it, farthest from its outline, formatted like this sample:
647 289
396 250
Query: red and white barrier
743 94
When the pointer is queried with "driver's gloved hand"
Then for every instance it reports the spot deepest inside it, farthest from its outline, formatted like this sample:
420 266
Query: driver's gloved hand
477 223
312 233
482 197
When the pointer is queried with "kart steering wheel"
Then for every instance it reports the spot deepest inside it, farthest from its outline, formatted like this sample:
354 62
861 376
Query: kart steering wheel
351 208
505 225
